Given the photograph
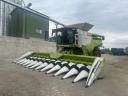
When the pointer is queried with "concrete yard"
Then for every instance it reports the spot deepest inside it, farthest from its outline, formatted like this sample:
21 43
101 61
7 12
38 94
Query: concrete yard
19 81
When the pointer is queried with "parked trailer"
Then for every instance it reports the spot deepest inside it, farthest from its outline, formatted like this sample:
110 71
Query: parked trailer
117 51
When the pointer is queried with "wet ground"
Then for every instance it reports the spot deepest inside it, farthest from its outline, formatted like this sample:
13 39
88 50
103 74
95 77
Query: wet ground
18 81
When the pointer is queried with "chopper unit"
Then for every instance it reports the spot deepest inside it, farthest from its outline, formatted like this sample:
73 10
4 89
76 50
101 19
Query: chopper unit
77 55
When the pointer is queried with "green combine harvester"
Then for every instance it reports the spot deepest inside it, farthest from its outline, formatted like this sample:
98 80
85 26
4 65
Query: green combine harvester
78 54
78 42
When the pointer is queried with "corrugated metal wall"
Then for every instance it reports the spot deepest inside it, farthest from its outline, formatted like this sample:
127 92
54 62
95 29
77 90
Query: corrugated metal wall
5 10
26 24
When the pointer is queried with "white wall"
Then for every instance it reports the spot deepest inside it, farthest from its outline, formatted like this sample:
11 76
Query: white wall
11 47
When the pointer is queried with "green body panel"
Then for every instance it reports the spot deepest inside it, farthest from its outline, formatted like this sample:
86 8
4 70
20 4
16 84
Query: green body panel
78 59
88 49
26 24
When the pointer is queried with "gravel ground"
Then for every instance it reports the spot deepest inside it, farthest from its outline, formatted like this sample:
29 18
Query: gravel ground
19 81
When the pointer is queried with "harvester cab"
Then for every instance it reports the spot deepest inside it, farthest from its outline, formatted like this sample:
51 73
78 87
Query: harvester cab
74 57
78 42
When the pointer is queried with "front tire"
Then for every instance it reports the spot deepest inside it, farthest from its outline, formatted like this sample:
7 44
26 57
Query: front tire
97 53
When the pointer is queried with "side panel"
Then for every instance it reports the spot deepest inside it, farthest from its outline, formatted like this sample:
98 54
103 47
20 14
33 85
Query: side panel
26 24
36 26
15 25
87 42
83 38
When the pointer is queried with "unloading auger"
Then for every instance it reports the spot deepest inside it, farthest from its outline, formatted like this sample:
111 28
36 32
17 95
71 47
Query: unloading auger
82 67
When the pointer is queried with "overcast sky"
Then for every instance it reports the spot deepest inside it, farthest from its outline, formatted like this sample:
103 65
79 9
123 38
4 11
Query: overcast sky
110 17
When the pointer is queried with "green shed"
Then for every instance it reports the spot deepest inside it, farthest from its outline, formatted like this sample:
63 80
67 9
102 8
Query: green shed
27 24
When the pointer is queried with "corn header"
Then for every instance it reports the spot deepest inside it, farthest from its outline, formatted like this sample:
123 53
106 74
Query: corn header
78 54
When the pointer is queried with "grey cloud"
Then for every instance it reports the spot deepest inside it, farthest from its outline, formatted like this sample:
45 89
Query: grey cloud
116 43
110 16
107 15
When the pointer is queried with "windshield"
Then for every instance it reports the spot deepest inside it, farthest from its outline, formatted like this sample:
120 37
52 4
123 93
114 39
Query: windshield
65 36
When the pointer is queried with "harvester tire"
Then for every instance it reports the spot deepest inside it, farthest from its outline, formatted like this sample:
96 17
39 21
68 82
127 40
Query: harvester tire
97 53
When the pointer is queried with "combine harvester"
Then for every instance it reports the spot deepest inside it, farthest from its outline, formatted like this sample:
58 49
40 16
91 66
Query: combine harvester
78 54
